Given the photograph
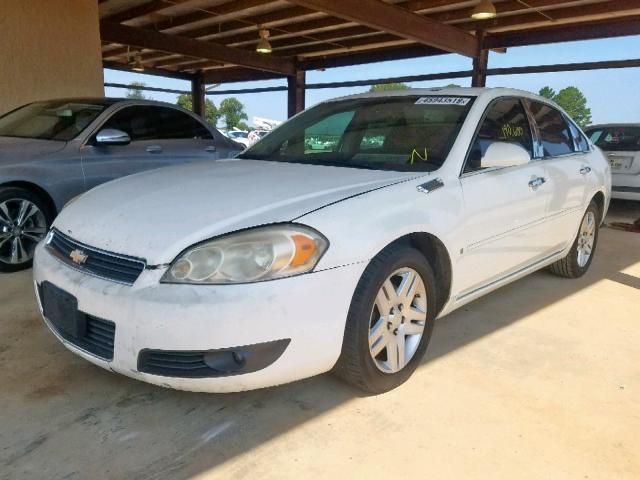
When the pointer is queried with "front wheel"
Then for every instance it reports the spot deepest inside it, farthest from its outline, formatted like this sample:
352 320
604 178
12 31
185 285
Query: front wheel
390 321
24 220
579 258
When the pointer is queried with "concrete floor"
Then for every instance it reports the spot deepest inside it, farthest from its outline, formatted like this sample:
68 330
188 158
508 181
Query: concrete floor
540 380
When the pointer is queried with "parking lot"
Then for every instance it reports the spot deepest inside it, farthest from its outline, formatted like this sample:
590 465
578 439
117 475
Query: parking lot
538 380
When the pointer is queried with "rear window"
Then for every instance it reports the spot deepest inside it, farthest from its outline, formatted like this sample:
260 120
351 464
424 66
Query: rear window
616 139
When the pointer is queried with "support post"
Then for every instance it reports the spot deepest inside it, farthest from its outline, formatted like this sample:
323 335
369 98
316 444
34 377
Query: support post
296 92
197 94
480 63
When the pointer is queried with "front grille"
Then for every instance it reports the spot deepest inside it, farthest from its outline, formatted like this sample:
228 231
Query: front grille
111 266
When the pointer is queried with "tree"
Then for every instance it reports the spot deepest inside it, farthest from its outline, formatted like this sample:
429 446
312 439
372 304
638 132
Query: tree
211 114
387 87
547 92
232 110
573 101
134 92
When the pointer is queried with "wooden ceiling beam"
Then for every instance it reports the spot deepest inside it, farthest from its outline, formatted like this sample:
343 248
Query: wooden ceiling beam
220 13
146 8
342 28
268 20
163 42
289 20
398 21
505 22
149 71
230 75
377 55
566 33
573 14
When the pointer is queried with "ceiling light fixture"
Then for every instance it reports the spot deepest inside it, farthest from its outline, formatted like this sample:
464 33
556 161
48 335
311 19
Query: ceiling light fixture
484 10
263 44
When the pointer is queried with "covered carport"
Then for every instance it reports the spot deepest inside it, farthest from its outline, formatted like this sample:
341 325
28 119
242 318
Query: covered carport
216 43
539 380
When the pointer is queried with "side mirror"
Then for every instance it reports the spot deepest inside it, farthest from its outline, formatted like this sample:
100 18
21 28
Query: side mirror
111 136
503 154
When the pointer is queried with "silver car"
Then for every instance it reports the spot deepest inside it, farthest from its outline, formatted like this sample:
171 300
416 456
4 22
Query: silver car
52 151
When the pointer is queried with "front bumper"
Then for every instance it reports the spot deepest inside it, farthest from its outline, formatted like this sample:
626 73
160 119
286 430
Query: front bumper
310 310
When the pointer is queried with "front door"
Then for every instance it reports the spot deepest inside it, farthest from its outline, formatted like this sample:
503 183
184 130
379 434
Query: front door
160 136
505 208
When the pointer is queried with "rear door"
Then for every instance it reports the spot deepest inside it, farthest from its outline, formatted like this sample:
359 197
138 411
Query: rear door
567 163
505 208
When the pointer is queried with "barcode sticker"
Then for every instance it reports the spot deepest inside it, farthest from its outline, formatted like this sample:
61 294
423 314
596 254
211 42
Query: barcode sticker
433 100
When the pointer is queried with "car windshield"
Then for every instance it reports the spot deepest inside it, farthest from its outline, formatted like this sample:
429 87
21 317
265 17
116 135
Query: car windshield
404 133
616 139
56 120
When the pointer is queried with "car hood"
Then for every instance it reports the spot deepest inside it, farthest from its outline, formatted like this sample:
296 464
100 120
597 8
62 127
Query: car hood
16 150
155 215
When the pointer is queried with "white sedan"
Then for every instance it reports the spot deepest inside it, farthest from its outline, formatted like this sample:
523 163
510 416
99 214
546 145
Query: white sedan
288 261
621 144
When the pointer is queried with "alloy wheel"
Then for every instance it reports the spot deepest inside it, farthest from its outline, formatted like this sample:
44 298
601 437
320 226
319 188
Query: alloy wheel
397 320
586 238
22 226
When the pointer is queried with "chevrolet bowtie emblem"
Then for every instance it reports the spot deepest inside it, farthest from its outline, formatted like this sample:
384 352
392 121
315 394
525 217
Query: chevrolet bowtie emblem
78 256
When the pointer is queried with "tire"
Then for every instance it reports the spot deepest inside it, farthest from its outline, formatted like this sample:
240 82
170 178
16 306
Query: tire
356 364
36 220
573 265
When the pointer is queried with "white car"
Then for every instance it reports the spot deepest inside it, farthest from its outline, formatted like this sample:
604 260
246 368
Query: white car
621 144
288 262
239 136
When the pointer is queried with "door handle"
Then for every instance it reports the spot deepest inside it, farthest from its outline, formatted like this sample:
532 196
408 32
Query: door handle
585 170
537 182
210 149
154 149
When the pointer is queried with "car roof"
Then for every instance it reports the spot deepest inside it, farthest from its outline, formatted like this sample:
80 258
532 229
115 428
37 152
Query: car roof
456 91
109 101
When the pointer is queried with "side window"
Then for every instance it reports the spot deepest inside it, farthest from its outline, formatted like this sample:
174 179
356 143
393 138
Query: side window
177 124
505 121
139 122
581 144
555 136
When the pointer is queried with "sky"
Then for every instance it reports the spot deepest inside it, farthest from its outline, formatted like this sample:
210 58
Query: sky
612 95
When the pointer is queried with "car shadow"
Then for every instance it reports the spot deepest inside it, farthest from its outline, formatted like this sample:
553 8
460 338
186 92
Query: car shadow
66 417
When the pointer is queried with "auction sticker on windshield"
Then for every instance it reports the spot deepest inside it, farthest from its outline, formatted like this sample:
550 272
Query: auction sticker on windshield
443 101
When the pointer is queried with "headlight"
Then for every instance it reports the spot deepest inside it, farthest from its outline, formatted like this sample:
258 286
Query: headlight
263 253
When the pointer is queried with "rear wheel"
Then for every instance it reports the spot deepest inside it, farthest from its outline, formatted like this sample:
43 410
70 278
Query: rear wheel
389 322
579 258
24 221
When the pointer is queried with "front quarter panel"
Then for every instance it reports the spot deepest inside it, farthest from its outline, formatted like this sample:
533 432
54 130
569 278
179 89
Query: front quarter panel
59 175
360 227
